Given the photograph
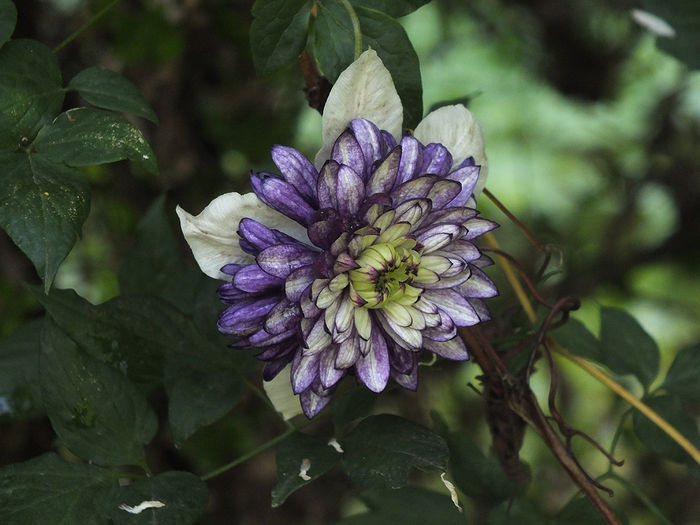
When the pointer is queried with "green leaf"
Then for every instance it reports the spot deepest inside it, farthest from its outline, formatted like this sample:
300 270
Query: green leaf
580 510
278 33
48 489
351 405
295 449
671 409
406 506
154 265
20 396
107 89
626 347
381 450
30 91
96 412
684 17
576 338
518 511
334 48
88 136
8 19
42 208
476 475
184 497
395 8
683 376
203 388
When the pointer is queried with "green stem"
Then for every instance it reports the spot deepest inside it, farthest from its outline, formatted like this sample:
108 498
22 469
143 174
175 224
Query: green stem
357 32
653 509
86 25
247 456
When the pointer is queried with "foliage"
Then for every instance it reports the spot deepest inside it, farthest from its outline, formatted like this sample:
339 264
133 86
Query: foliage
143 401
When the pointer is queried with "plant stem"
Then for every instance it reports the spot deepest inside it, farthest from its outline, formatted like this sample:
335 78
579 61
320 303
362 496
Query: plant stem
86 25
247 456
634 401
357 32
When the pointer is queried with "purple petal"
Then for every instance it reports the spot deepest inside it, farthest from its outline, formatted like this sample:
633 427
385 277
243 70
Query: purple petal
453 349
327 372
464 250
467 177
232 269
304 371
373 369
384 175
348 352
413 212
389 142
417 188
297 170
312 403
454 305
285 348
326 185
263 338
442 192
259 236
298 282
346 150
411 155
478 285
275 366
229 294
282 317
369 139
282 259
327 226
444 332
350 191
436 160
409 380
283 197
401 360
480 308
245 315
439 236
478 226
254 280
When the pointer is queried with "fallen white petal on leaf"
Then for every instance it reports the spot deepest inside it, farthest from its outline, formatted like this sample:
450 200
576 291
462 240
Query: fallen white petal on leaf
653 23
451 488
279 392
305 466
334 443
138 509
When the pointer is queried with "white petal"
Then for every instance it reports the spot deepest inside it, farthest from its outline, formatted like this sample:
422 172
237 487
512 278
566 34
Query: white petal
212 235
456 128
281 395
364 90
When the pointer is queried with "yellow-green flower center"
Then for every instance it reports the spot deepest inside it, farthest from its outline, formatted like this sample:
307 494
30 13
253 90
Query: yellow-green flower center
385 274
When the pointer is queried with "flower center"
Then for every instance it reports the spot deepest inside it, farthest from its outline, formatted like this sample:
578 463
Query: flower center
385 274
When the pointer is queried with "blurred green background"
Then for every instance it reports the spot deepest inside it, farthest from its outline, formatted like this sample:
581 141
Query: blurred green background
593 138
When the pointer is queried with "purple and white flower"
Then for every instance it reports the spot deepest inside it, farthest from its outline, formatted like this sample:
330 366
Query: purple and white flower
362 261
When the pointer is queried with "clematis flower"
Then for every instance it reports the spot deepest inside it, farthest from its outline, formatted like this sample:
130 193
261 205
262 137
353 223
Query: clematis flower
362 261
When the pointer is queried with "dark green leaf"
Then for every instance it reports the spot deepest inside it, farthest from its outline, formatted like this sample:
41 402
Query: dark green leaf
334 48
683 378
107 89
42 208
381 450
580 510
477 475
518 511
201 391
393 8
671 409
8 19
88 136
278 33
131 334
30 91
295 449
20 396
576 338
351 405
157 268
94 409
406 506
626 347
184 497
684 17
48 489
